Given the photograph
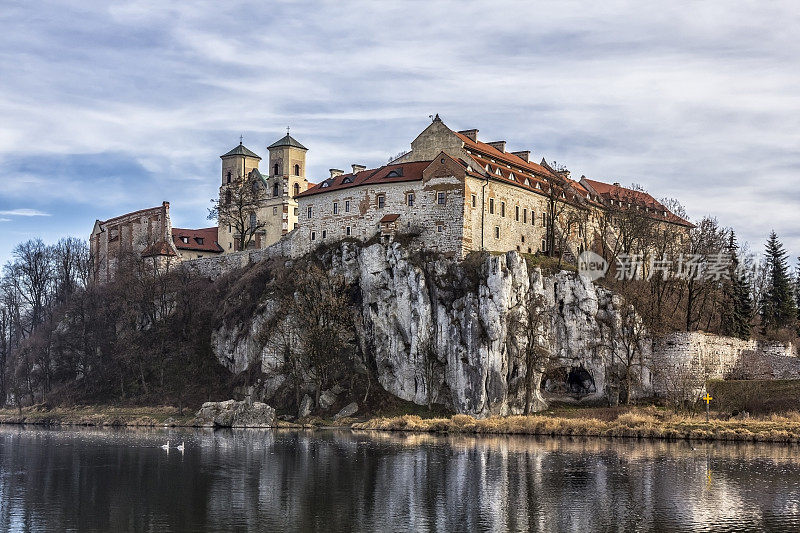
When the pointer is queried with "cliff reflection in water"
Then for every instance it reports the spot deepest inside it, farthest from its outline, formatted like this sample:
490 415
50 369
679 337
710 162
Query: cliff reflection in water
341 481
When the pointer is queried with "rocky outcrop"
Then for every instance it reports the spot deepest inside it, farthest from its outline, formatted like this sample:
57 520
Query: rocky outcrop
459 333
233 414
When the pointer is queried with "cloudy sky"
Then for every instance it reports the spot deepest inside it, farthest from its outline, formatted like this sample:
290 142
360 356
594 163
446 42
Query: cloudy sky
108 109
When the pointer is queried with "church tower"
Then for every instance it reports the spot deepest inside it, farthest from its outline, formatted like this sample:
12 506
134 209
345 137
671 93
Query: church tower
237 165
287 179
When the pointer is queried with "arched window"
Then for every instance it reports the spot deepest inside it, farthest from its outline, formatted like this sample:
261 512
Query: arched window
229 176
275 190
296 189
275 170
297 170
228 198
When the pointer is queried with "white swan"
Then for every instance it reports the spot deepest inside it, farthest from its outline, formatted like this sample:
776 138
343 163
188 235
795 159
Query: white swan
181 447
165 446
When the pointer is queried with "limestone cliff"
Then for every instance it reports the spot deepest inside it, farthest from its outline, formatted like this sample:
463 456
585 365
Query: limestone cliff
461 333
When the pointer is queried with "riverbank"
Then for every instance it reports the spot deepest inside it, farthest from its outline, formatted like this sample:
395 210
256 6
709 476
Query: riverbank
637 423
647 422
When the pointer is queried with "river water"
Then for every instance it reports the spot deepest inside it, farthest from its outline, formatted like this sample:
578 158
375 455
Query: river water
265 480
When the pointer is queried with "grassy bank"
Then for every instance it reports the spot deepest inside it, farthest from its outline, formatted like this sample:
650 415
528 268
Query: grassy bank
98 415
640 423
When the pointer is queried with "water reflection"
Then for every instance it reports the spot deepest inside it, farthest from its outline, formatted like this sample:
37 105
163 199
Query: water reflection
121 479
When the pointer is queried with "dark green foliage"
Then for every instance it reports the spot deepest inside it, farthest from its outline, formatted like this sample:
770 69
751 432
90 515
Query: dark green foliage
778 308
737 305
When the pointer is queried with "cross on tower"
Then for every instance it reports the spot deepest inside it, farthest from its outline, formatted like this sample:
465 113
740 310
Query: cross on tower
287 130
241 138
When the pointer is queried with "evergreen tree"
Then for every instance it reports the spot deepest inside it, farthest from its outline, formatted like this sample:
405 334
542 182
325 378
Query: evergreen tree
778 308
738 306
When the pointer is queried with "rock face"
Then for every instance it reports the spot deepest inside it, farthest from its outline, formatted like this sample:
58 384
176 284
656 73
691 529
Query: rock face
236 414
306 404
459 333
348 410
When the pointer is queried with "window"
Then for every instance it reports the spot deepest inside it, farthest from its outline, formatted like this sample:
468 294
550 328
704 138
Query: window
229 176
275 190
474 201
275 210
230 229
199 240
439 228
297 170
296 189
533 218
253 220
228 198
544 245
254 186
296 211
381 201
497 232
525 215
230 245
502 209
295 225
185 240
491 206
347 231
544 220
523 239
313 235
324 233
347 206
516 213
335 208
309 211
441 198
410 199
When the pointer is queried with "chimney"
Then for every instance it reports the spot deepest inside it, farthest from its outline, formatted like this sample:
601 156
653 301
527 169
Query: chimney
498 145
616 184
358 168
335 172
472 135
525 155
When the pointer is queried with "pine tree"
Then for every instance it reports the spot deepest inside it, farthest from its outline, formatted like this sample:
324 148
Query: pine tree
778 309
738 306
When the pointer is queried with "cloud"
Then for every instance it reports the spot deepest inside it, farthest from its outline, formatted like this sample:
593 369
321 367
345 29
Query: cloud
105 109
5 219
24 213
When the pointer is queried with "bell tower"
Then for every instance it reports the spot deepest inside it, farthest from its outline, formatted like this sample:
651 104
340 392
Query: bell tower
287 178
236 166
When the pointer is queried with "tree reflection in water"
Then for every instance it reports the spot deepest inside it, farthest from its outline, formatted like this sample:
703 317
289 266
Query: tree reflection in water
367 481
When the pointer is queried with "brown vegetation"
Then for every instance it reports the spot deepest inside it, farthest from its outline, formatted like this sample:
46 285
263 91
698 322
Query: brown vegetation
640 423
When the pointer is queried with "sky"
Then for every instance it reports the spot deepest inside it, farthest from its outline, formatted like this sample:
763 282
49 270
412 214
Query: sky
106 108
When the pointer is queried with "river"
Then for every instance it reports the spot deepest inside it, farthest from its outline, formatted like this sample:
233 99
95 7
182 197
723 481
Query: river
88 479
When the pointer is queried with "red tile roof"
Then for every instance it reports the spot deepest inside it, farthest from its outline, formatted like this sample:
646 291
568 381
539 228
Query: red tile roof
200 240
158 248
389 218
386 174
613 192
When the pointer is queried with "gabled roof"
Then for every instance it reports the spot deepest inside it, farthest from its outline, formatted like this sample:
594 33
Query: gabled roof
241 150
624 196
157 249
288 140
200 240
386 174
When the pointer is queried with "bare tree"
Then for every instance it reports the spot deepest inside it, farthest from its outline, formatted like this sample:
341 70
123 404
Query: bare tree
238 208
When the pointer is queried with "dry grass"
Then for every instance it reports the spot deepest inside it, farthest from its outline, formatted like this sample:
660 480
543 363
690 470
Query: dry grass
640 423
102 415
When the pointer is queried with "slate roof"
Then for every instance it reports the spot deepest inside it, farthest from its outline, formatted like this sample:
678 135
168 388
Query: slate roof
288 140
242 150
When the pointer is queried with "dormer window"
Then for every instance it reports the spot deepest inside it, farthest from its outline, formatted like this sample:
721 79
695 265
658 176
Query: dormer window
185 240
326 184
348 179
199 240
395 173
497 171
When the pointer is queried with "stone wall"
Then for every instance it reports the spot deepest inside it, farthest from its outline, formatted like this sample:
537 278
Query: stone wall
687 359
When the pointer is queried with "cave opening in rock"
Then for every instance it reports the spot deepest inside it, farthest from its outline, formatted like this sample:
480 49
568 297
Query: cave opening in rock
574 380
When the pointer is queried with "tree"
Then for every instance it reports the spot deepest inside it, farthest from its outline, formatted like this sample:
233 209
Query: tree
778 308
238 208
737 308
